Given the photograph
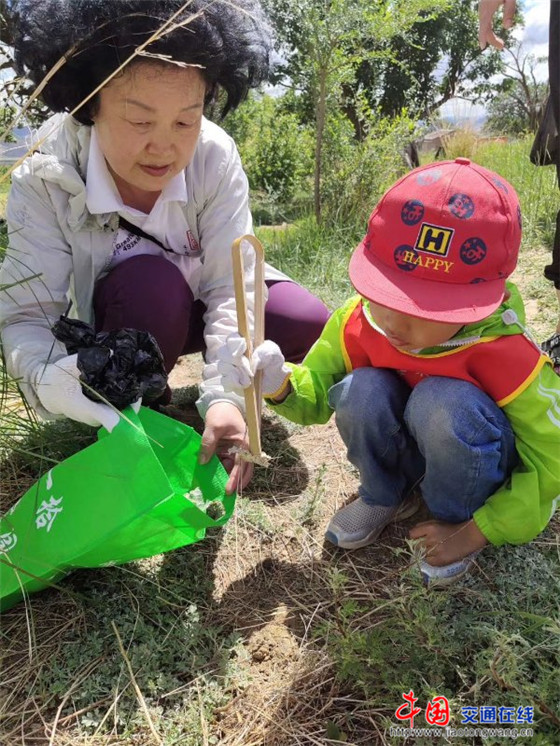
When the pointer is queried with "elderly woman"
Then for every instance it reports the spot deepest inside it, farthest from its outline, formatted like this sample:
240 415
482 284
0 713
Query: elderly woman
130 203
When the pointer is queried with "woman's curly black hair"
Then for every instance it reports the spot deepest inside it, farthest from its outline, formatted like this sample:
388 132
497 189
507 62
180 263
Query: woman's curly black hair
230 40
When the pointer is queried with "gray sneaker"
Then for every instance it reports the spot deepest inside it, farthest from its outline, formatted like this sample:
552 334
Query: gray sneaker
359 524
445 575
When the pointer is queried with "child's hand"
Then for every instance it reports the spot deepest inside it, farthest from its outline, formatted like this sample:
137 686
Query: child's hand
237 373
233 365
448 542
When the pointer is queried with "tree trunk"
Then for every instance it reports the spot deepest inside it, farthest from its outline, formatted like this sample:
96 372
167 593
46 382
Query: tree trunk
320 117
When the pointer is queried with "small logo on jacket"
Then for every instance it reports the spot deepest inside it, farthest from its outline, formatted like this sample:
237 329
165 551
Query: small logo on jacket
192 246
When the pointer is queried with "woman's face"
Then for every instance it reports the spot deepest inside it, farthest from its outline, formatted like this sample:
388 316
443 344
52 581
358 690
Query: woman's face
147 123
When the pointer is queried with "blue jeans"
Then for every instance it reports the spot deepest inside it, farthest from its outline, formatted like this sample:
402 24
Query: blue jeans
445 432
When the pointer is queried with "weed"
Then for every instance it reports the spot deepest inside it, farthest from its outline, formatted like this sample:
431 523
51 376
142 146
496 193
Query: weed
312 500
256 517
492 640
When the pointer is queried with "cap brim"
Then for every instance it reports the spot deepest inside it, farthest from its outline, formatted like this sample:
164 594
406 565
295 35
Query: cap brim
425 299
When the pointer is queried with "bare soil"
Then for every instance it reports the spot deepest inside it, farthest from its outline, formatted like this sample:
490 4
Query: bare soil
275 579
274 574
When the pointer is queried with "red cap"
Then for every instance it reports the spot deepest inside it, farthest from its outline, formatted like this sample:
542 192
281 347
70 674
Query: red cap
441 243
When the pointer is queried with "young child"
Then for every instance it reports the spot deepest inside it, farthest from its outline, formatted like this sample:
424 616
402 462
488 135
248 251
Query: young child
431 374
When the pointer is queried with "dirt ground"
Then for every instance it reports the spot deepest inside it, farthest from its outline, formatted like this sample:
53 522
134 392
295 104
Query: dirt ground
275 575
276 579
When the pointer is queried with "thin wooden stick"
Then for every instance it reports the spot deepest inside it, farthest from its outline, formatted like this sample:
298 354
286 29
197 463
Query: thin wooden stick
253 392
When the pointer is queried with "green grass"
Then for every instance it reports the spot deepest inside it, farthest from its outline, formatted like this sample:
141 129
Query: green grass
368 631
314 256
536 187
493 641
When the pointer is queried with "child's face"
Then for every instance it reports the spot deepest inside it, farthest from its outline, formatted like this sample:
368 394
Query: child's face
410 333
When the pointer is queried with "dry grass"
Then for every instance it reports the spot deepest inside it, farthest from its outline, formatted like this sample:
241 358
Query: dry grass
274 583
463 142
274 600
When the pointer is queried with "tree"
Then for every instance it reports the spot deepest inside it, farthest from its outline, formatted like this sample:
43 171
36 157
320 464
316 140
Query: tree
324 43
520 97
437 60
276 150
380 58
14 92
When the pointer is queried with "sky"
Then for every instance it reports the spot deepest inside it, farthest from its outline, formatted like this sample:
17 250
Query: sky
534 37
535 34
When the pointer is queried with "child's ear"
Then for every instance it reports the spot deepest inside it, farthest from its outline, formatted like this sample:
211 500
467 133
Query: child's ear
507 295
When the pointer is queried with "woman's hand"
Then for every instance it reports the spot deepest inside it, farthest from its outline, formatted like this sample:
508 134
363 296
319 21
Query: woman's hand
60 392
448 542
225 428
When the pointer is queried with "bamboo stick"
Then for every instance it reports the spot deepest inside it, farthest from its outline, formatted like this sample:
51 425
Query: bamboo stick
253 399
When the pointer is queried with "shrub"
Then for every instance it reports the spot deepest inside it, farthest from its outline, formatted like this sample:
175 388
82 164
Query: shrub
276 152
357 173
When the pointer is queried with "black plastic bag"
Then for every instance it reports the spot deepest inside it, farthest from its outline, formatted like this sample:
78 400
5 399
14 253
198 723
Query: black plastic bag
119 366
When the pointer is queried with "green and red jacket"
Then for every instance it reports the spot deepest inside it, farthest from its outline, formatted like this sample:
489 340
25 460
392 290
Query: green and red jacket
495 356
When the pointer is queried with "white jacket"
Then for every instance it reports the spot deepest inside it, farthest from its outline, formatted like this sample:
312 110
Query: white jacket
58 250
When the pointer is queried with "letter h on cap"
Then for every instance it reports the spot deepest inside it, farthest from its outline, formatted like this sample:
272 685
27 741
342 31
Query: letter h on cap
434 239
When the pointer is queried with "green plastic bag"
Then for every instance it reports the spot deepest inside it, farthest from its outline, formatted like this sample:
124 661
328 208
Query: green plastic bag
136 492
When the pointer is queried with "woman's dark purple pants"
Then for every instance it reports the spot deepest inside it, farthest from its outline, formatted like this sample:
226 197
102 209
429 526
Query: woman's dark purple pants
149 293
